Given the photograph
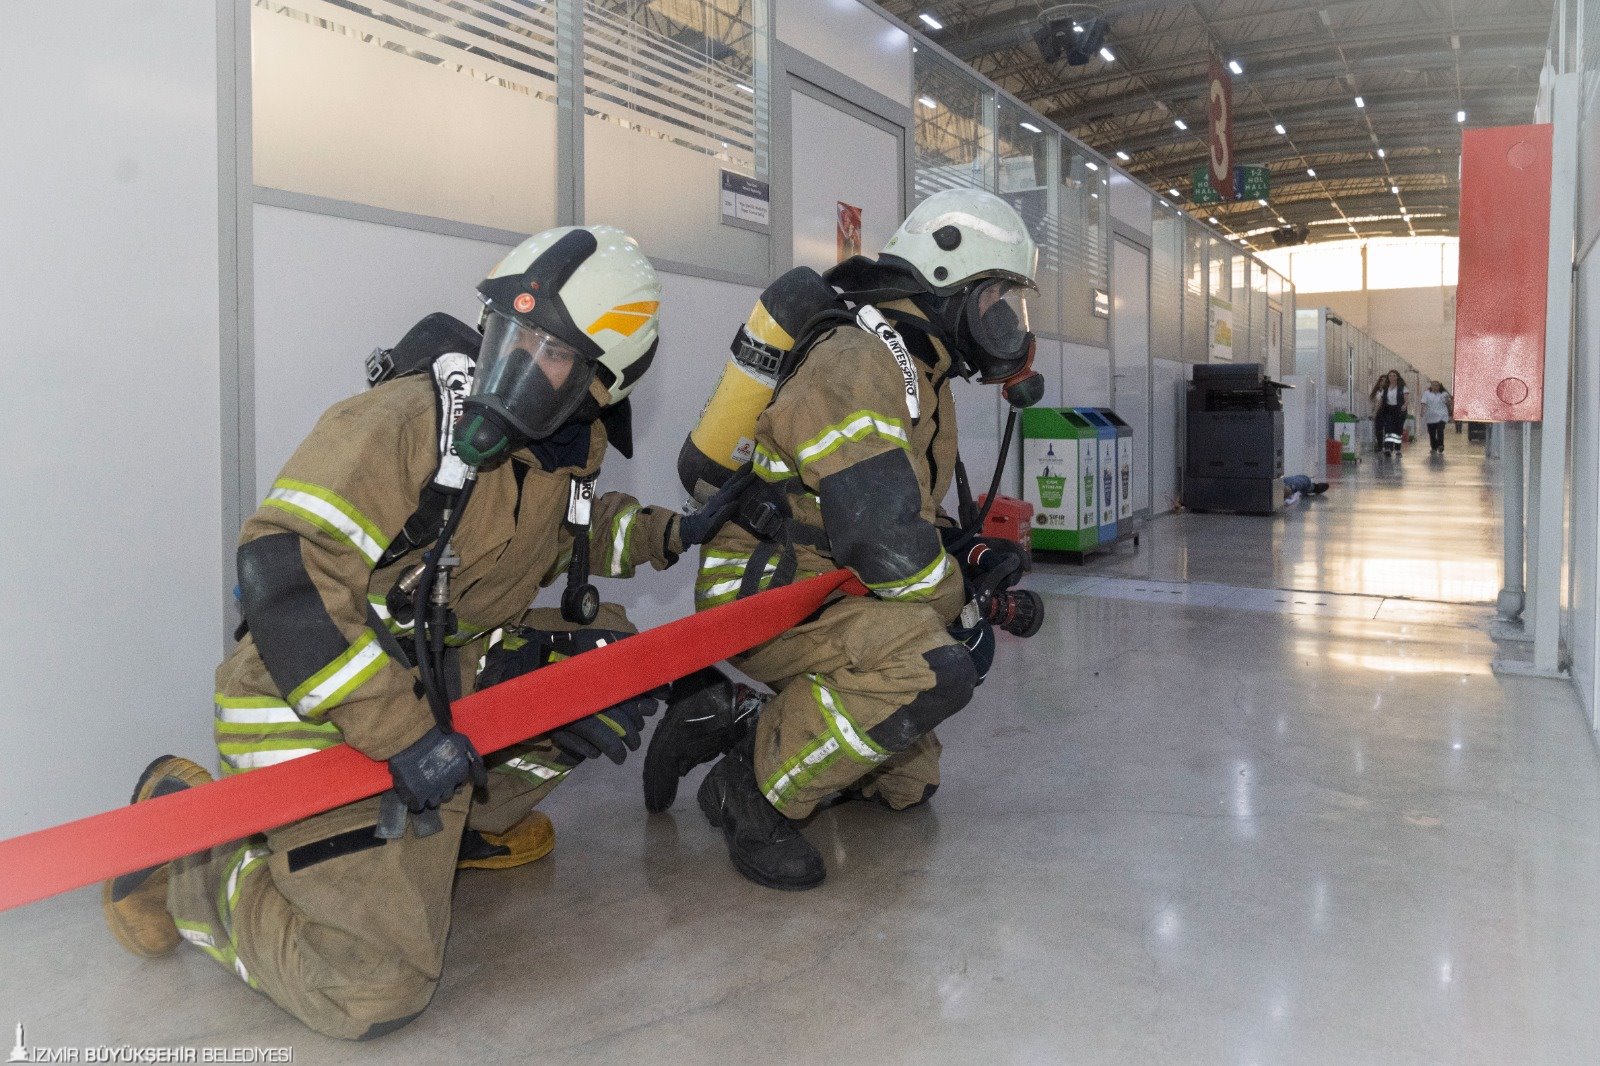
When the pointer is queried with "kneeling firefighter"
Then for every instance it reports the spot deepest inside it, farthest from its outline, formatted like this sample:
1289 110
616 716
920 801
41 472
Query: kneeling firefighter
390 569
849 461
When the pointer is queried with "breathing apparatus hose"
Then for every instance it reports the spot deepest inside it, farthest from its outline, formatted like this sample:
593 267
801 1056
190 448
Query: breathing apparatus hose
429 633
971 532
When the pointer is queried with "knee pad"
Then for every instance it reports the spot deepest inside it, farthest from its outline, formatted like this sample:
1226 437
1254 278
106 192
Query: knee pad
955 678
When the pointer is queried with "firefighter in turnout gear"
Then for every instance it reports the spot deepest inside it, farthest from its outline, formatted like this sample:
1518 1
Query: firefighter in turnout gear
341 919
853 455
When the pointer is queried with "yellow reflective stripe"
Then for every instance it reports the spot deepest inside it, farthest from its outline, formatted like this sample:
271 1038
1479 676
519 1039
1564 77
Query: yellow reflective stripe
855 740
237 763
857 426
254 709
330 512
328 687
920 585
805 766
769 466
536 770
617 555
380 607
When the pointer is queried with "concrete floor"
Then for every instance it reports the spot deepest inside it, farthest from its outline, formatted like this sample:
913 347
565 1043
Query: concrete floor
1170 832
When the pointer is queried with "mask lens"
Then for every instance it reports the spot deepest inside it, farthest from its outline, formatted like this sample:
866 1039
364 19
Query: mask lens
534 380
997 318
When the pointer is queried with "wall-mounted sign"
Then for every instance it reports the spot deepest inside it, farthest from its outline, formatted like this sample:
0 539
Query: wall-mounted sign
1221 330
847 236
746 202
1219 85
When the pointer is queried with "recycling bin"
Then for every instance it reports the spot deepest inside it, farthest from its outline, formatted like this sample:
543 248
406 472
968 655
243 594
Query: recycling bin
1060 478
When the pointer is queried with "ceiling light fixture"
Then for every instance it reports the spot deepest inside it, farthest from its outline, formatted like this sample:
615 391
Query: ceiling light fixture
1381 153
1461 116
928 102
1212 219
1263 203
1124 156
1178 122
1360 102
1281 131
1106 54
1311 171
745 88
1091 164
1395 189
1176 195
931 22
1233 65
1030 127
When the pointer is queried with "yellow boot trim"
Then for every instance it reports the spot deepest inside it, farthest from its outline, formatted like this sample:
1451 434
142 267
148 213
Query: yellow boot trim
139 920
527 841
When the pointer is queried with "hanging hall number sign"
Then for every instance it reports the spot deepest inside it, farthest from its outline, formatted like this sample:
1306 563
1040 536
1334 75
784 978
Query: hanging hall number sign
1220 90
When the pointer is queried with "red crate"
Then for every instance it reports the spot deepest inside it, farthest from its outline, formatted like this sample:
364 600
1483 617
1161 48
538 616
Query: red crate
1010 519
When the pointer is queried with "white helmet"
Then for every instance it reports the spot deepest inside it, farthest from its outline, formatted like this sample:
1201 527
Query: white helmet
957 236
571 314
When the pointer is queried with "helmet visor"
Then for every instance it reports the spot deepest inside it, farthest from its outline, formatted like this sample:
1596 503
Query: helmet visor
534 380
997 323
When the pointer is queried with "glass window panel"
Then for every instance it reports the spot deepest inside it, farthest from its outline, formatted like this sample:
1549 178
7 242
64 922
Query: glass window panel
1166 283
672 97
1022 158
1258 313
1331 267
1196 306
392 104
953 141
1086 231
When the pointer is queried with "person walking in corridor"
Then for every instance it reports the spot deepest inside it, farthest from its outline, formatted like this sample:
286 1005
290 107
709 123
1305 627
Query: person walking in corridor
1436 412
1389 401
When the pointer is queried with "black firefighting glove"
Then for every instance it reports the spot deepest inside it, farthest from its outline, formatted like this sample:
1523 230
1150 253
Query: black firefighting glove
428 772
700 526
612 732
978 639
991 564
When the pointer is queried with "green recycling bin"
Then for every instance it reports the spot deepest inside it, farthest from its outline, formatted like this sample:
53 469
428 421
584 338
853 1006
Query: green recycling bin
1060 475
1344 431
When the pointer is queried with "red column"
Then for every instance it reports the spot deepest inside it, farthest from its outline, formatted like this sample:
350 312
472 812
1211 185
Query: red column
1500 294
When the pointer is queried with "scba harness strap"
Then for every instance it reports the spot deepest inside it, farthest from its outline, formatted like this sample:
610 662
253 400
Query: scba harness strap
439 345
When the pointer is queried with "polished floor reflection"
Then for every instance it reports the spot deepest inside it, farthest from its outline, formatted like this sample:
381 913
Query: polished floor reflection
1169 832
1423 527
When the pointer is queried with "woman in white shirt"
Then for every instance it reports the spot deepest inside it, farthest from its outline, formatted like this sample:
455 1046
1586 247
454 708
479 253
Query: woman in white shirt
1389 412
1436 412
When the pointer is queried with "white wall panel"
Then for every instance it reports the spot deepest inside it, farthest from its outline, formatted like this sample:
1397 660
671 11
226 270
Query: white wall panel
109 328
1130 203
852 39
871 182
1085 376
328 291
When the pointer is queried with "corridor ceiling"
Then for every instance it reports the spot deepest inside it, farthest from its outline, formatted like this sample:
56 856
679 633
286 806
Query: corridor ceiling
1415 64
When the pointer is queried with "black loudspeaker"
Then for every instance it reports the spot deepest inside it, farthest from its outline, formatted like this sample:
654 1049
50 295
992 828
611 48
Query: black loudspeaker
1064 38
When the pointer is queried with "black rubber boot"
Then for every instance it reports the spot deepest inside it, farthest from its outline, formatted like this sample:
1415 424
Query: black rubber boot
764 845
707 714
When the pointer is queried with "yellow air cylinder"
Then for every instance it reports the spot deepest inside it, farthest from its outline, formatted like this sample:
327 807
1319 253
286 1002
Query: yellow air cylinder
724 438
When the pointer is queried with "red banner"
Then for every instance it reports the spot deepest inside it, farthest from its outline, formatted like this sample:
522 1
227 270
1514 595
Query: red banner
1219 87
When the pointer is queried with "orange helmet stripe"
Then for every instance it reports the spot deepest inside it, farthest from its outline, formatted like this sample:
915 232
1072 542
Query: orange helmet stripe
625 318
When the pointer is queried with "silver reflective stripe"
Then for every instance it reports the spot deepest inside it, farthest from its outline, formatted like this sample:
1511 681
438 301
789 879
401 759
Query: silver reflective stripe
925 584
348 527
257 715
822 753
852 430
330 685
828 700
619 542
255 760
539 770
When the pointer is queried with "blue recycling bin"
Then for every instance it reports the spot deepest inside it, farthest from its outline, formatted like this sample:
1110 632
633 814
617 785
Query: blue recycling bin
1105 491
